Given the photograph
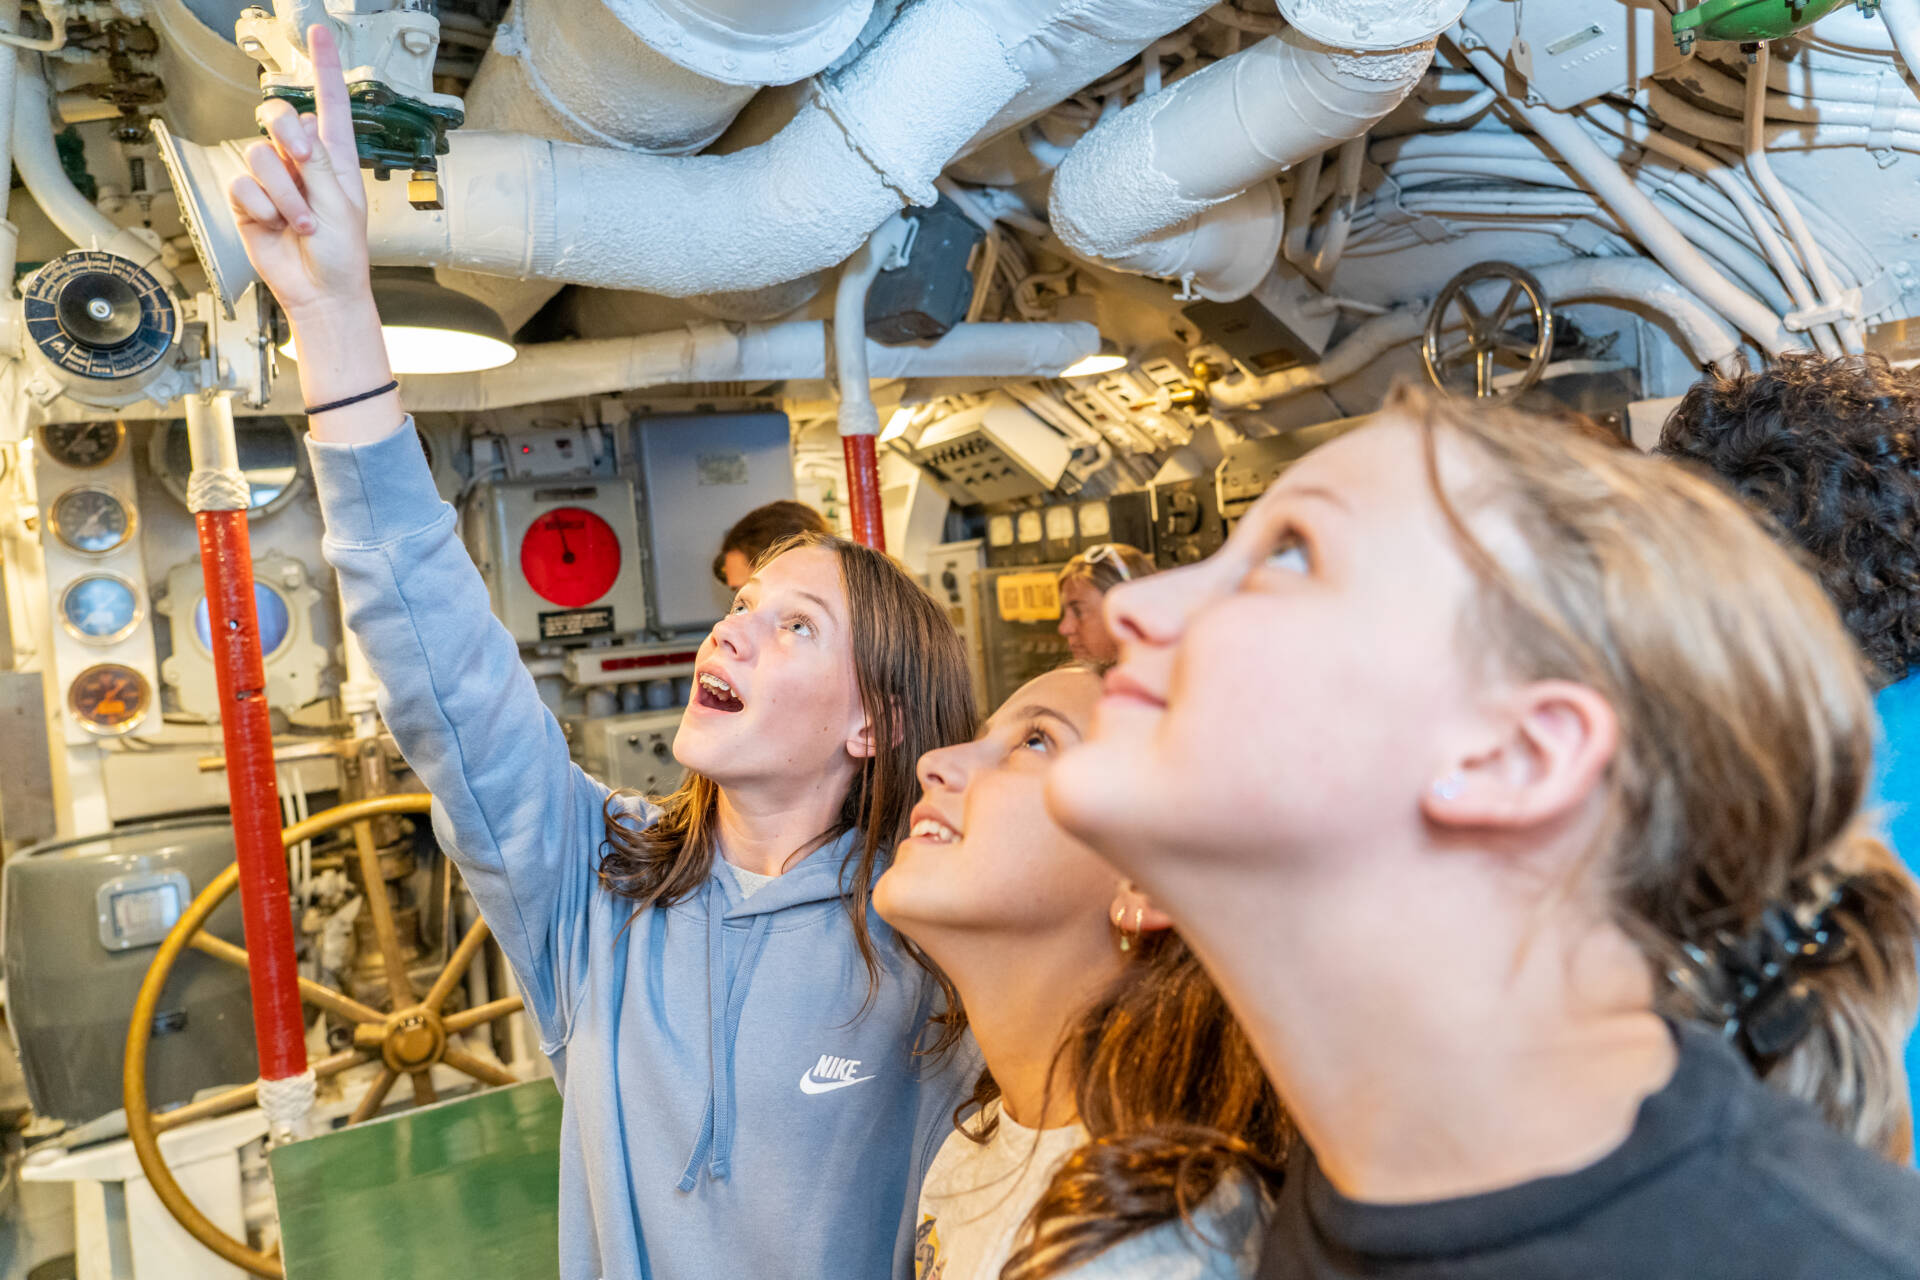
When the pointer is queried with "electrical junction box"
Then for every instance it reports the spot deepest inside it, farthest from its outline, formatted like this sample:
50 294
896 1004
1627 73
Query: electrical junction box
1284 322
925 298
951 568
1187 523
632 752
995 451
1573 52
573 451
702 472
561 558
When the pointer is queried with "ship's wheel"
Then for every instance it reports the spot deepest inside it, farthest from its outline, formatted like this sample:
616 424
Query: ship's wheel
410 1040
1492 339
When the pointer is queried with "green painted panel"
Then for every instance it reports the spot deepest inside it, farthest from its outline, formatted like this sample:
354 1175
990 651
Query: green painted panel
461 1189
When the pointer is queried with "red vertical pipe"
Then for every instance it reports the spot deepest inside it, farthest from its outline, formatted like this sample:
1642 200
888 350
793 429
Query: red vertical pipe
226 563
863 484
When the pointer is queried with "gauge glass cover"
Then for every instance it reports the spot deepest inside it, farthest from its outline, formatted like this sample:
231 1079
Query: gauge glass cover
82 445
91 521
570 557
999 531
270 614
100 608
1095 520
1029 526
109 698
1059 524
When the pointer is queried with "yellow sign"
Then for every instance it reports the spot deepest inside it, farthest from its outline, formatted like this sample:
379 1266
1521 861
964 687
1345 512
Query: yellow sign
1029 597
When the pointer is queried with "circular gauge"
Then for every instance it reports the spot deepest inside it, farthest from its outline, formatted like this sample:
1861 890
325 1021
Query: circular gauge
570 556
91 521
100 608
82 445
109 698
1095 520
270 611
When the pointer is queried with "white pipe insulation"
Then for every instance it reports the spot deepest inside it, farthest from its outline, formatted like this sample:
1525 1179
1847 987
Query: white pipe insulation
1177 185
1903 26
852 370
1635 280
1637 211
744 353
873 138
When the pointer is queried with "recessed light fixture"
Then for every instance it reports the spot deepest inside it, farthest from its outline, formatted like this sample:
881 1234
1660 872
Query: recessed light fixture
430 328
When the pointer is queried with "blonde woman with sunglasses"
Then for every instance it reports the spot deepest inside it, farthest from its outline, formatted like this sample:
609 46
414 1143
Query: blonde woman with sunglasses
1084 584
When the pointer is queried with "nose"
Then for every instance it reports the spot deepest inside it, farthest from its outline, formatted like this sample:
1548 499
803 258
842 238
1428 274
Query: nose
733 635
944 768
1155 611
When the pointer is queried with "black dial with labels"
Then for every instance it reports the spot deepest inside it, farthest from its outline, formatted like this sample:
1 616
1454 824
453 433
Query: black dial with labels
98 316
91 521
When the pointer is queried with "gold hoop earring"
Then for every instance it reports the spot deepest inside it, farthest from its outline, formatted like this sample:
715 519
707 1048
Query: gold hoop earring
1126 939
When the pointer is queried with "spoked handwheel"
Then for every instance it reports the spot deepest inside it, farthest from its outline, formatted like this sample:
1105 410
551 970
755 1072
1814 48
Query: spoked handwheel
1487 337
410 1040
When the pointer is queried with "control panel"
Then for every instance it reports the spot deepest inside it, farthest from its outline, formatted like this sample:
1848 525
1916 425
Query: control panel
996 451
630 752
1055 534
1186 522
1019 611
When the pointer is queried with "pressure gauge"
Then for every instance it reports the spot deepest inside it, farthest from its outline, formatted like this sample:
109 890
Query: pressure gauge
109 698
1096 522
91 521
82 445
1059 524
270 613
999 531
1029 526
100 608
570 556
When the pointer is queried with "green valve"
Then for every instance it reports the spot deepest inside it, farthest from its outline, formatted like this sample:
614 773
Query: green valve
1750 21
393 132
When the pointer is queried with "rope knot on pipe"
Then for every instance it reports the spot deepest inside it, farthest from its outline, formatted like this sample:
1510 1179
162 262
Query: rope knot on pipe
288 1104
218 489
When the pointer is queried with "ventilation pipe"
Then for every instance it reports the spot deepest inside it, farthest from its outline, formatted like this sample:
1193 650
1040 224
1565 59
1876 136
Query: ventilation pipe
872 139
794 351
1711 339
1178 185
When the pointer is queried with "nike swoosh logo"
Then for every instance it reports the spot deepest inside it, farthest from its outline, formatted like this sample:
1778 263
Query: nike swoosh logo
809 1085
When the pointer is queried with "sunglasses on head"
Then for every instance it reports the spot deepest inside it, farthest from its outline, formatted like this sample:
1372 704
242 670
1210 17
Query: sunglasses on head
1109 553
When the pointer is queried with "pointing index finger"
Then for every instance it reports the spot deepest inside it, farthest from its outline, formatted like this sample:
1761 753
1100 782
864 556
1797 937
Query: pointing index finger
330 99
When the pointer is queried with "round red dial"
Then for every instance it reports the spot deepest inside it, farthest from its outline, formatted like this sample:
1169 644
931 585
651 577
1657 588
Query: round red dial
570 556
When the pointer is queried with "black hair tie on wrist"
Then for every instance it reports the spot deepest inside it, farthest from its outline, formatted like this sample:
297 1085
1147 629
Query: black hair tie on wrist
313 409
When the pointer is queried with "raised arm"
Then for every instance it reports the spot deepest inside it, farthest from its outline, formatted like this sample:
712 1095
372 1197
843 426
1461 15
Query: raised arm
522 822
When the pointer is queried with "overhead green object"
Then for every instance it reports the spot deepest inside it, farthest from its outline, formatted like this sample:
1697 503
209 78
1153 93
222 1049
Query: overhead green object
1748 21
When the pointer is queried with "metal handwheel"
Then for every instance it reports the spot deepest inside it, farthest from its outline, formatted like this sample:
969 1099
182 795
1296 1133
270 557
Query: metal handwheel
1487 336
411 1039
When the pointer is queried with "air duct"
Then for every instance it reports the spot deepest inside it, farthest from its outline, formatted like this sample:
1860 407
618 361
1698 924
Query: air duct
873 138
1178 185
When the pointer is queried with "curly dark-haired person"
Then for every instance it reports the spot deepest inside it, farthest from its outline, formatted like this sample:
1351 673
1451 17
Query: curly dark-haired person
1829 449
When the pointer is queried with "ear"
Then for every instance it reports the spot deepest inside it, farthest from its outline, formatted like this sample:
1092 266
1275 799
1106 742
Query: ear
1553 744
860 745
1134 911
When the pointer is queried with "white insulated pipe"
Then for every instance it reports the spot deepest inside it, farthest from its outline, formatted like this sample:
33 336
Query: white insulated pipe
858 416
873 138
1903 26
1708 336
1637 212
1176 185
787 352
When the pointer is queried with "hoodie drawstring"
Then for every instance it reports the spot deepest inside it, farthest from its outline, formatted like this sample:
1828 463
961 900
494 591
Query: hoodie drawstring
724 1000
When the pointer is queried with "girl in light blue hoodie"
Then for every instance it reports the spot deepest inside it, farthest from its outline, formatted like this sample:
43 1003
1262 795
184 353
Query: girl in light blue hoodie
732 1029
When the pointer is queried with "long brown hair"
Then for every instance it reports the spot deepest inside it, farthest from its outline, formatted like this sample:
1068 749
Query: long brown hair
1174 1104
911 669
1745 731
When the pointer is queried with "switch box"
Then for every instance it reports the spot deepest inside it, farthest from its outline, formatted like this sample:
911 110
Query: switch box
630 752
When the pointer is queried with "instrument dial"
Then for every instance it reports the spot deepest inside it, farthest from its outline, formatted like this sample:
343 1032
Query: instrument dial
100 608
109 698
570 556
82 445
91 521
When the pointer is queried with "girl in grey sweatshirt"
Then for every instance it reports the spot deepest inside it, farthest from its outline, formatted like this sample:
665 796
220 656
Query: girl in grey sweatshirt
732 1029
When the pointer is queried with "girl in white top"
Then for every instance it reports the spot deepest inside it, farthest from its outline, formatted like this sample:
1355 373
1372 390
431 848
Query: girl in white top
1124 1127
